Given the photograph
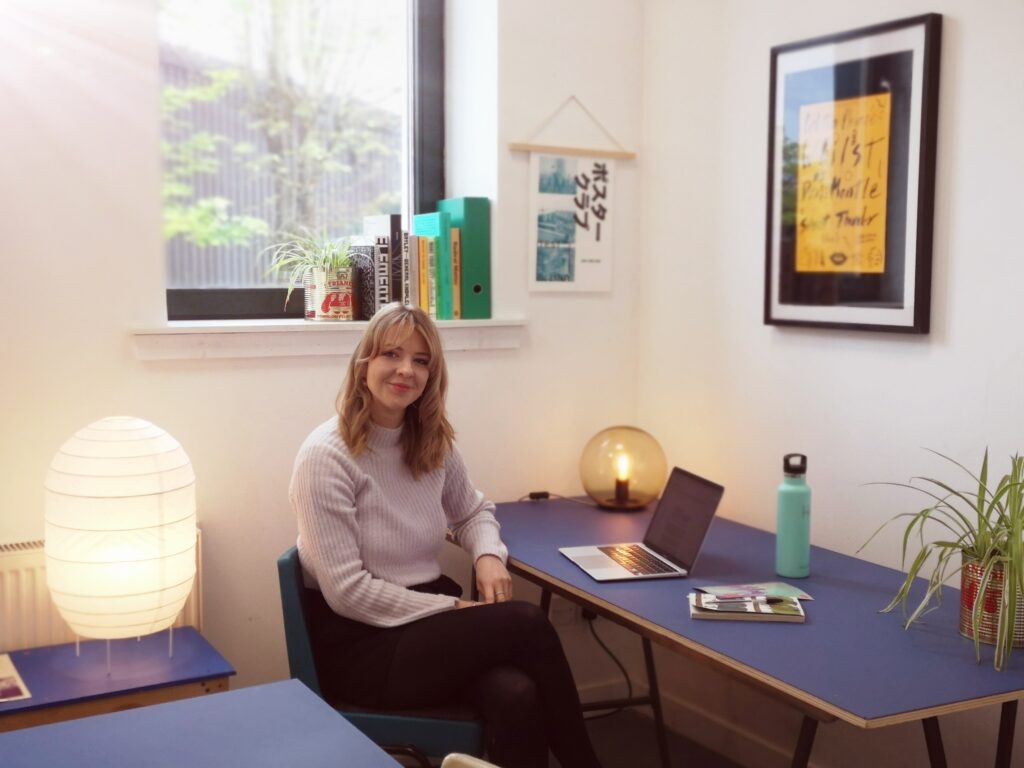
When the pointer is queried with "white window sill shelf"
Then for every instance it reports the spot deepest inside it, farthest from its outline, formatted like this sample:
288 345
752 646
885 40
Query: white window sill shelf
203 339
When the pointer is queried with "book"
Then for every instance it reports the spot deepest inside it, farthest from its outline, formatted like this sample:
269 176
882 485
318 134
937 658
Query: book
404 267
364 279
456 274
472 215
390 225
413 298
382 261
432 290
437 226
424 273
787 609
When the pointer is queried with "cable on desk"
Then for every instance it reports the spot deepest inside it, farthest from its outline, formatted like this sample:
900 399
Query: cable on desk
613 657
545 495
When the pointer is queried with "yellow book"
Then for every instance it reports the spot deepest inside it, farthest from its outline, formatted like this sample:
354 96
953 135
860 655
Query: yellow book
456 274
424 288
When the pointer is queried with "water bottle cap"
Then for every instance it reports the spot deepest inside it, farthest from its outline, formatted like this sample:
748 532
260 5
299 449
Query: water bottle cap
794 464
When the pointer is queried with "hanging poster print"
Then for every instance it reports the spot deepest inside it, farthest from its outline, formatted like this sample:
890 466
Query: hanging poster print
851 171
570 222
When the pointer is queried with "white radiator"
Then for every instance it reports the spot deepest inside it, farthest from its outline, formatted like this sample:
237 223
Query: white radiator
29 619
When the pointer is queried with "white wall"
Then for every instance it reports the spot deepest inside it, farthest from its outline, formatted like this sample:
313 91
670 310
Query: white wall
861 405
683 82
80 249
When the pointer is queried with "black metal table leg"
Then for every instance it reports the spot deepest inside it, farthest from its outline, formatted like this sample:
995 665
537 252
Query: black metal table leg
802 753
933 738
1007 725
545 602
659 721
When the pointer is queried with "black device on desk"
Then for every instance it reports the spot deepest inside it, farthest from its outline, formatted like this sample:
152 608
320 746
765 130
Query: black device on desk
672 540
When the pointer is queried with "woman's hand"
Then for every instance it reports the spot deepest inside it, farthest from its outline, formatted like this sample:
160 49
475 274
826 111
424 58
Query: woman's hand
492 580
460 603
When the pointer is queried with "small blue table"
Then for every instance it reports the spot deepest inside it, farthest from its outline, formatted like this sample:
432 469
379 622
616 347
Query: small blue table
276 724
142 671
847 662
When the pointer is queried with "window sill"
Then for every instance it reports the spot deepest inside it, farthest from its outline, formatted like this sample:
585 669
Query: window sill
202 339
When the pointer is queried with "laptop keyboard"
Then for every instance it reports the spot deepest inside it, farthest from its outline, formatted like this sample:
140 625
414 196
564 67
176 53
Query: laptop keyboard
637 560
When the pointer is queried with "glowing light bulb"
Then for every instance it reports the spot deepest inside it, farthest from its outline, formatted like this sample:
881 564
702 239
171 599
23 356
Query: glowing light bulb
622 466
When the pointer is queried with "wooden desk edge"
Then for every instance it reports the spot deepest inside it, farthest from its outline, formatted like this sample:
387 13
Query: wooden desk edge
809 705
104 705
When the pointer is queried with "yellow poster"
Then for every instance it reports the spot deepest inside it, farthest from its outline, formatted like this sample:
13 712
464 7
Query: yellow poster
842 185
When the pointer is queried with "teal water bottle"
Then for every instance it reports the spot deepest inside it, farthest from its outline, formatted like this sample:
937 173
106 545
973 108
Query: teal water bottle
793 528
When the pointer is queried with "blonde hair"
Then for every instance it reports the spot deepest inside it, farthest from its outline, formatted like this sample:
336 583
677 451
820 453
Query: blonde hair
427 436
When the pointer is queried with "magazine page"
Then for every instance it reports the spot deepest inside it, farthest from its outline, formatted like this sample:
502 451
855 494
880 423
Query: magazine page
762 589
12 687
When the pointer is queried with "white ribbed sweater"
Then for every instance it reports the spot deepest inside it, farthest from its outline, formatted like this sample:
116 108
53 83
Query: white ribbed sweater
368 529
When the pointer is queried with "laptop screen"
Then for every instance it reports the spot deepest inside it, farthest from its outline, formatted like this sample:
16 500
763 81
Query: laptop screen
682 518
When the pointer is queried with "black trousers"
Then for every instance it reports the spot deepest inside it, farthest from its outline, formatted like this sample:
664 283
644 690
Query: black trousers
505 659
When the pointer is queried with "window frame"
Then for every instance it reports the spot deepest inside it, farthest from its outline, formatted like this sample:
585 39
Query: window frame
426 19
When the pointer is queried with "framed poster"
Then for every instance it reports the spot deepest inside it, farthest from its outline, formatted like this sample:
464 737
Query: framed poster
571 203
851 178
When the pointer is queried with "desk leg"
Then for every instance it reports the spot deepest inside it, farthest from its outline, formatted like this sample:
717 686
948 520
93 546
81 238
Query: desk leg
802 754
933 738
545 602
1007 724
659 721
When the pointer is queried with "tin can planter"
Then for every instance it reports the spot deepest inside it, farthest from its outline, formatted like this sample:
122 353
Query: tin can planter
328 294
988 625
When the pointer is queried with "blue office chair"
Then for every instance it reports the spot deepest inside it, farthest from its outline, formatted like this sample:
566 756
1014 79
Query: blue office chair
419 733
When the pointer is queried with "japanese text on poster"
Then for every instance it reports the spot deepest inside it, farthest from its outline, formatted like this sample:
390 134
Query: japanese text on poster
570 213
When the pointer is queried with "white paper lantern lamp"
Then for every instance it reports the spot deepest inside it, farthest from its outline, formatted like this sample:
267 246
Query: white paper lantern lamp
120 529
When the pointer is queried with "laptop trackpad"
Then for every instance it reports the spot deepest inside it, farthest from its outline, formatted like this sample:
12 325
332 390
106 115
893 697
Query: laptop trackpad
594 561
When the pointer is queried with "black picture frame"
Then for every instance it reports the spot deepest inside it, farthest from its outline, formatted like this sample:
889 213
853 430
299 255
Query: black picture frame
852 132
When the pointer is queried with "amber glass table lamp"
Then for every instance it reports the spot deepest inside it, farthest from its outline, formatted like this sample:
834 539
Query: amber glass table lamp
623 468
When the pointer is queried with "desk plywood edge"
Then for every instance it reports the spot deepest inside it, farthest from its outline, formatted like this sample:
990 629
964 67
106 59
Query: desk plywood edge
105 705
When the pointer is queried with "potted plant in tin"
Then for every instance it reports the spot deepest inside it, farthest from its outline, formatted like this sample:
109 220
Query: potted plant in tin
322 266
982 538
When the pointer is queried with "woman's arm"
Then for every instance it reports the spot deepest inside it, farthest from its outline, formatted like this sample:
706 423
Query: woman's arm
323 494
472 522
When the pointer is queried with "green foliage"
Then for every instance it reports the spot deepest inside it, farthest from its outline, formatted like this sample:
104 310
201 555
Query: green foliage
174 99
984 523
300 90
298 253
209 222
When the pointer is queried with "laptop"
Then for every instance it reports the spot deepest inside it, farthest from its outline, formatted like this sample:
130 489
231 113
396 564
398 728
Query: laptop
673 539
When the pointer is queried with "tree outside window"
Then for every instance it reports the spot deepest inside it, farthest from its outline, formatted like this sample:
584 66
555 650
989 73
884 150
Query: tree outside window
278 117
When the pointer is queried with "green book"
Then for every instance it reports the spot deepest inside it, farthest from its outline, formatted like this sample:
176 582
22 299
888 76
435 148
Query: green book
439 225
472 215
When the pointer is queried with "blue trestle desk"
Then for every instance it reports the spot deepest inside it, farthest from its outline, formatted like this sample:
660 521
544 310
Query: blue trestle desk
279 724
847 662
142 672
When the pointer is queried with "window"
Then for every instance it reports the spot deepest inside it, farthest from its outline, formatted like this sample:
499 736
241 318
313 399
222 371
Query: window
284 116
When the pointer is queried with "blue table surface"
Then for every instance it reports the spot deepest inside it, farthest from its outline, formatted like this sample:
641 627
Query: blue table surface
277 724
56 676
847 654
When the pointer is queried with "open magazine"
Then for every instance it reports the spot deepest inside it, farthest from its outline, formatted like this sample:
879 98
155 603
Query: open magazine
761 589
752 608
12 687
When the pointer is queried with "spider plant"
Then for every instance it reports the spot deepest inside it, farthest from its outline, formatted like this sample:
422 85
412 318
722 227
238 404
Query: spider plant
984 524
299 253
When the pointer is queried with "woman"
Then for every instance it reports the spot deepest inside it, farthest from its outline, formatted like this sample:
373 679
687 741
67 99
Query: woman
375 491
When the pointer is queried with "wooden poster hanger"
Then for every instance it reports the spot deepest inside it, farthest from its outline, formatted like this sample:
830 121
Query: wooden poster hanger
528 146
